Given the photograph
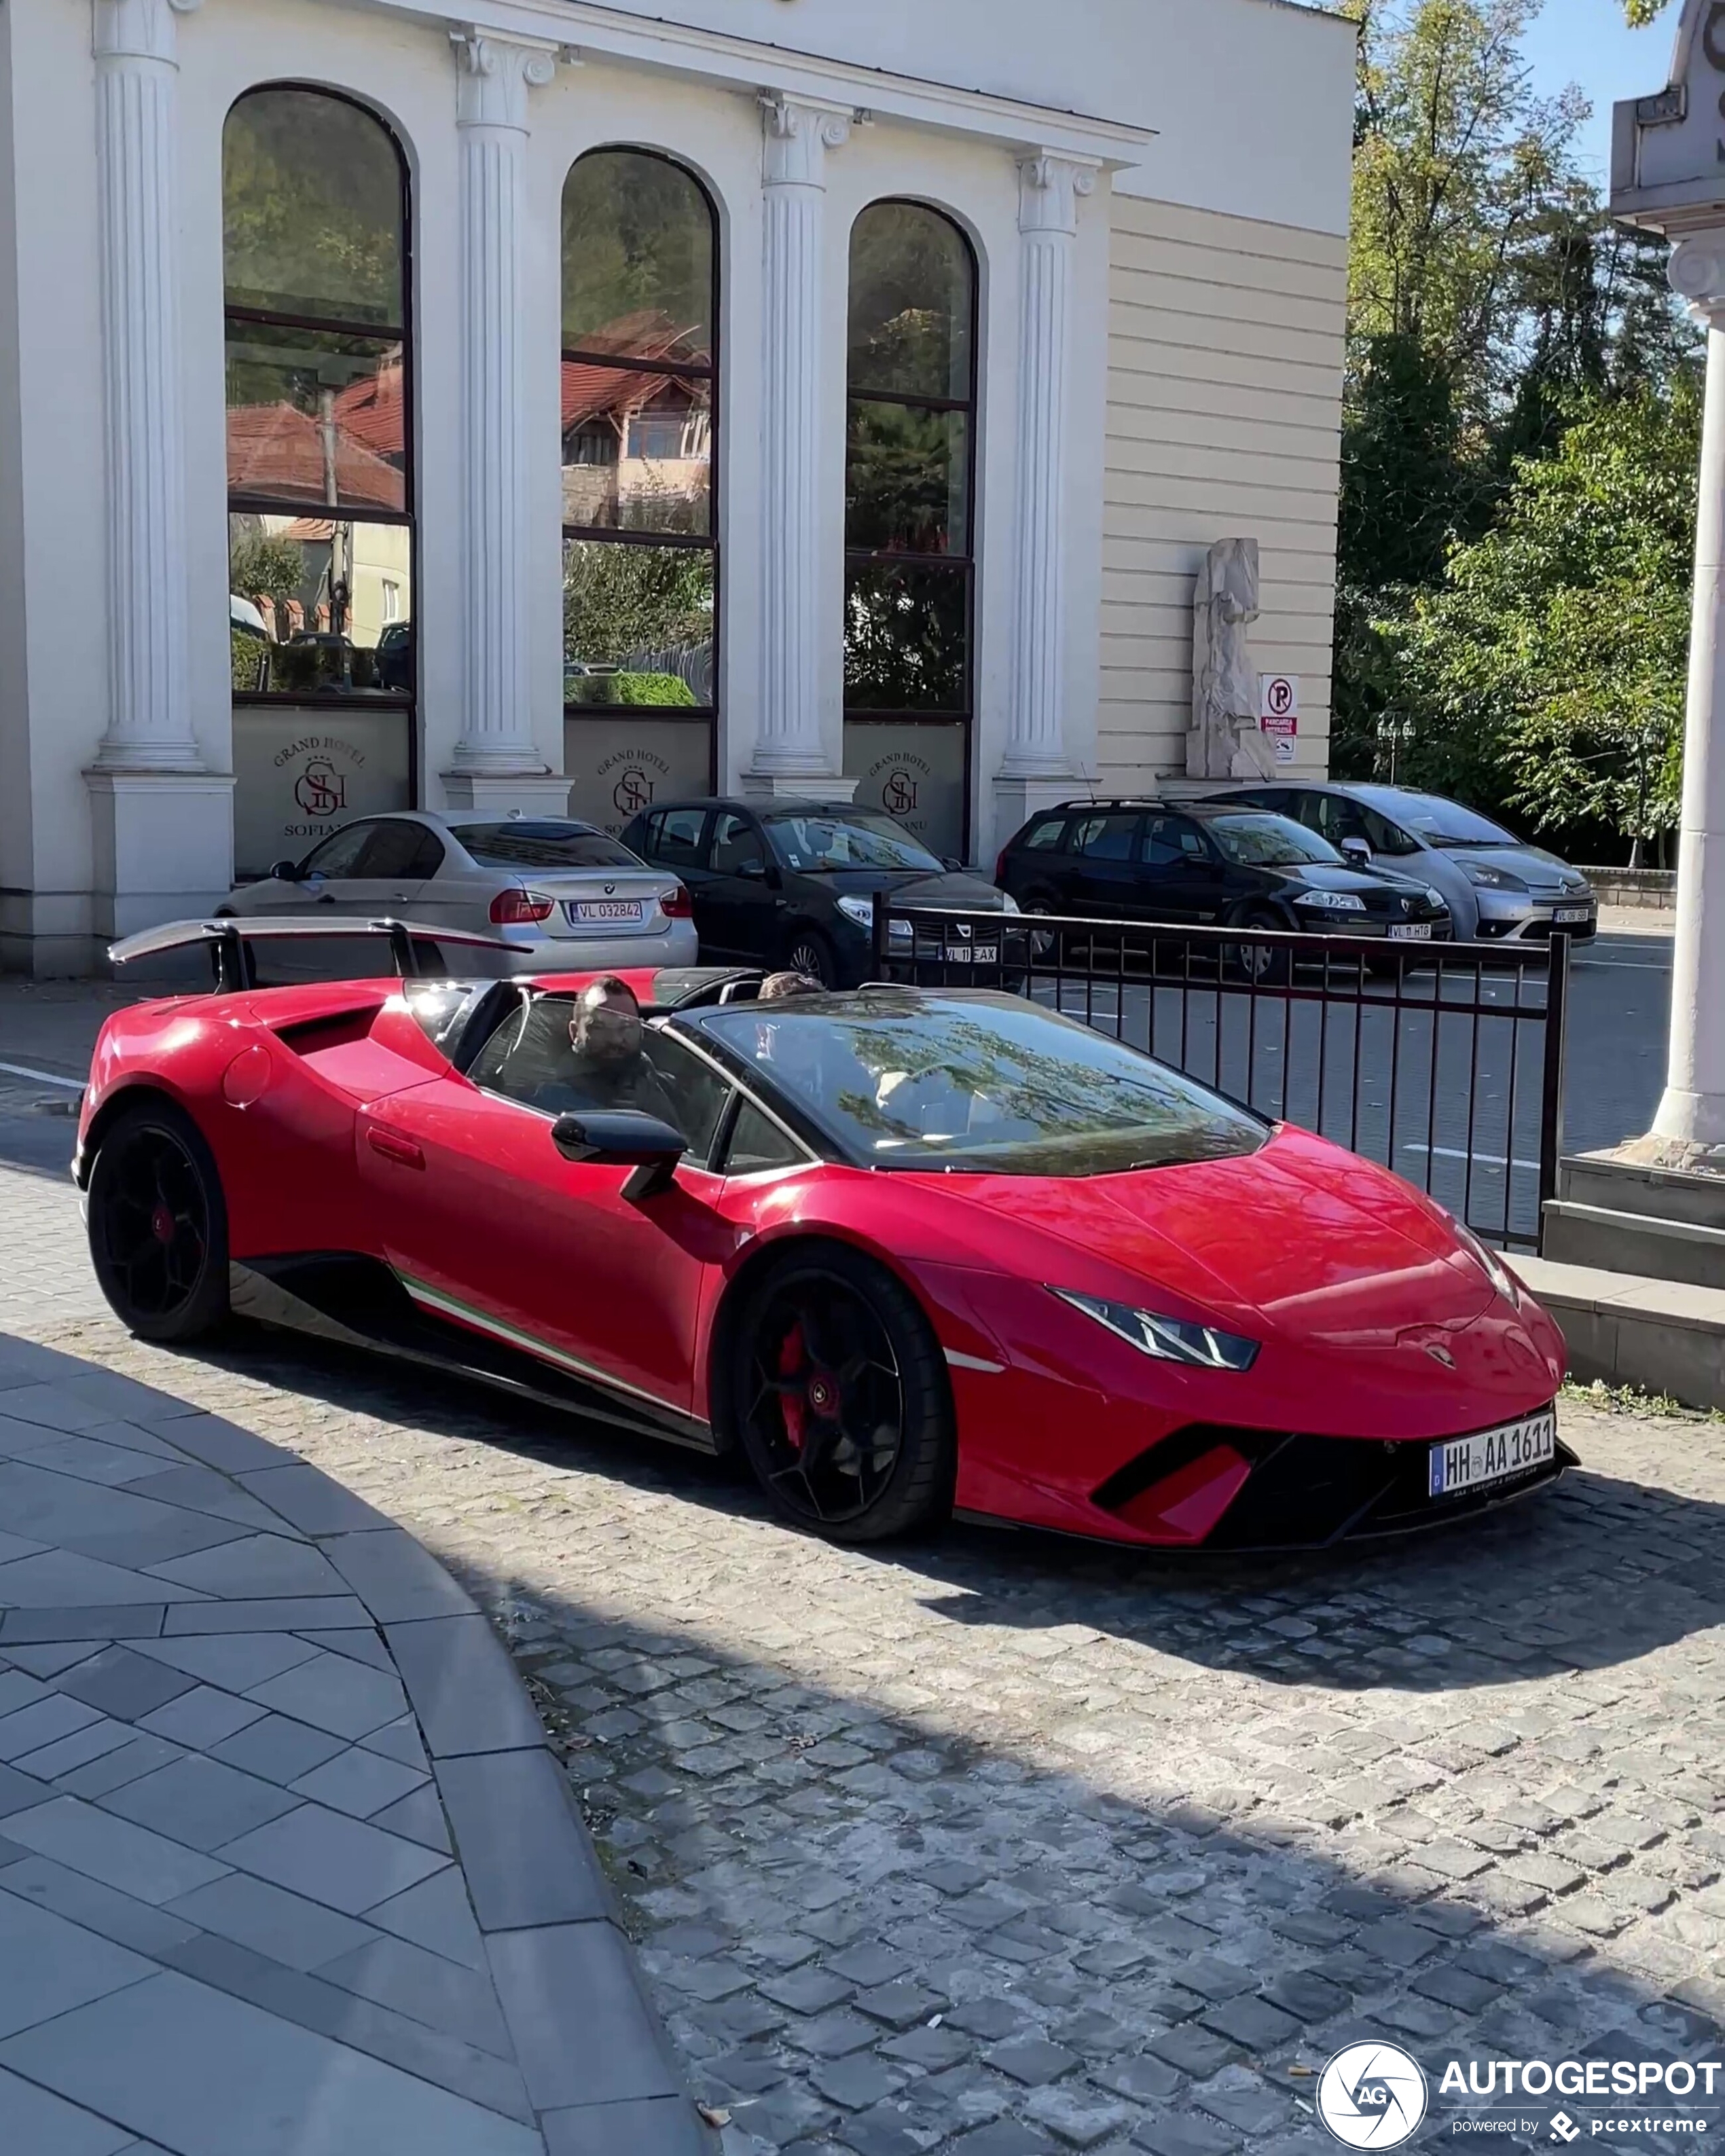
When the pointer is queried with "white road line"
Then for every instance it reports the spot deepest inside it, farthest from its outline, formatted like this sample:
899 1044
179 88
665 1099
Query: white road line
43 1077
1618 966
1482 1159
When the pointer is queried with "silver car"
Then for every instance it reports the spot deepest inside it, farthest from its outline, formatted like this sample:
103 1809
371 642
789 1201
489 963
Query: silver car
559 894
1497 887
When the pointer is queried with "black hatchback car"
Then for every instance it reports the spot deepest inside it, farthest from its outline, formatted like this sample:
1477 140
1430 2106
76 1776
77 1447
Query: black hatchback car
792 883
1208 862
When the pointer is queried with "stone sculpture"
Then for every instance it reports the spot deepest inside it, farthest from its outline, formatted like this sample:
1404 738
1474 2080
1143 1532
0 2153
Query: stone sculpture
1225 740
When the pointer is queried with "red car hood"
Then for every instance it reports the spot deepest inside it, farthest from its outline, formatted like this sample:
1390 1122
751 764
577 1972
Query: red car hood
1300 1239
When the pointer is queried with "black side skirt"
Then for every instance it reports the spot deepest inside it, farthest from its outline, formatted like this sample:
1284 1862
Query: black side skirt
358 1302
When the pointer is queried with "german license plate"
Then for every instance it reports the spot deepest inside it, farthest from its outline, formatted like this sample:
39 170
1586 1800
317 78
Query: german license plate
1410 932
1492 1455
973 954
582 912
1565 915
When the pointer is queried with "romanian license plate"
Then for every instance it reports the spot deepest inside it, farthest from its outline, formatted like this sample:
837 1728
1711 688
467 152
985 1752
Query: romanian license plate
1494 1455
584 912
1566 915
1410 932
973 954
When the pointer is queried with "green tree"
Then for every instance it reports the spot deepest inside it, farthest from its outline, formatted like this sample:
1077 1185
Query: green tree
1547 672
620 599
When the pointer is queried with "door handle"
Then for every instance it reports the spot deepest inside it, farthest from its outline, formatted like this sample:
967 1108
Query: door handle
392 1146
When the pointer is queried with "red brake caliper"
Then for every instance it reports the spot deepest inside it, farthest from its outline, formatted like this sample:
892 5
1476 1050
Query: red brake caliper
792 1404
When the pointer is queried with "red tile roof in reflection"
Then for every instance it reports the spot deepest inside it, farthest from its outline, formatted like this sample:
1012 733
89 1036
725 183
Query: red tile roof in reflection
591 389
278 448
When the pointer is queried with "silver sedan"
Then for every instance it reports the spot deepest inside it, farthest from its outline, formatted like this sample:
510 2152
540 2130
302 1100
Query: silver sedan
559 895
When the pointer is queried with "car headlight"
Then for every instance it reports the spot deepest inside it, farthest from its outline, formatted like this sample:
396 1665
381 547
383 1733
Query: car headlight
1009 904
1489 879
1436 897
1168 1339
1332 901
1493 1267
861 911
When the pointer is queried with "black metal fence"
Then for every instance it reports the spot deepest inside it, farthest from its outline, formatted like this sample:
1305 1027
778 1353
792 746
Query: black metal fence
1444 1061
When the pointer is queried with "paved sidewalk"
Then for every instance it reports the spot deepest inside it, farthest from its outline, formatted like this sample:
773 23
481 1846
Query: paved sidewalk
286 1866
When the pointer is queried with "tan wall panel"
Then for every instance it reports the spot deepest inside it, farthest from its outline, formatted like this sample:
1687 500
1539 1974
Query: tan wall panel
1225 415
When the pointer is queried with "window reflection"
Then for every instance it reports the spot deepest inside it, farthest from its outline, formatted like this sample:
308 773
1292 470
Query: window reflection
637 450
319 408
315 416
320 606
312 189
638 259
638 624
907 638
911 279
909 475
638 403
907 481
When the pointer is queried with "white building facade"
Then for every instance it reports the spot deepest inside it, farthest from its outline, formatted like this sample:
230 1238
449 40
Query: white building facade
560 404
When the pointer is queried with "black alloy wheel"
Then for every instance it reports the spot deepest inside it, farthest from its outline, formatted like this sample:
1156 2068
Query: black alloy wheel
810 953
841 1398
158 1226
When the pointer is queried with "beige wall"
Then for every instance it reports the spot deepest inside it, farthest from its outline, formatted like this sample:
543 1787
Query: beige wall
1224 407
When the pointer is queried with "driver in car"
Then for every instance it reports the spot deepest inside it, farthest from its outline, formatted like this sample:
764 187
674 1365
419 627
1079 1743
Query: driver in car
610 1069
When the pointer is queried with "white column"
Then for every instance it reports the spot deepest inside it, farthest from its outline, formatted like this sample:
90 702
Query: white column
162 831
495 749
1037 766
1692 1115
137 84
788 749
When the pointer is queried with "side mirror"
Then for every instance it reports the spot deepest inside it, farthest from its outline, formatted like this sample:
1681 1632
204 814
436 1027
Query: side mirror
1357 853
622 1137
285 871
951 863
753 870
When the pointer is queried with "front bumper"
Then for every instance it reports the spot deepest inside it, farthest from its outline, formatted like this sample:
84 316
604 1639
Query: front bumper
1505 918
1276 1491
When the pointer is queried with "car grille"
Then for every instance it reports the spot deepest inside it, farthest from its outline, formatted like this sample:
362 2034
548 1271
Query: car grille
1306 1492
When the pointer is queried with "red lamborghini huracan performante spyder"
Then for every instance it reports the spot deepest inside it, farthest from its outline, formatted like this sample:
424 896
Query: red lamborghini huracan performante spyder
906 1251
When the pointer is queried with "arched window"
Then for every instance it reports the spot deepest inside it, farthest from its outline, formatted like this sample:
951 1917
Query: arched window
909 485
320 468
640 557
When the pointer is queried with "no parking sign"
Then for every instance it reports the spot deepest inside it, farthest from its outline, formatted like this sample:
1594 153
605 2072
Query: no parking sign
1279 712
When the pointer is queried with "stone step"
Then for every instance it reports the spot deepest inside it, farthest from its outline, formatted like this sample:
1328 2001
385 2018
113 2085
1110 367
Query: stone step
1620 1186
1654 1248
1663 1335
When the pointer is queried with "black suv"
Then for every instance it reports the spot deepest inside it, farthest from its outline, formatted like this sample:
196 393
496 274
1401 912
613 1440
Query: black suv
792 883
1207 862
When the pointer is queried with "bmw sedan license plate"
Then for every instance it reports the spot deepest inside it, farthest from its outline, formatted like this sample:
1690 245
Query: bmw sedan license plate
583 912
1565 915
973 954
1469 1463
1411 931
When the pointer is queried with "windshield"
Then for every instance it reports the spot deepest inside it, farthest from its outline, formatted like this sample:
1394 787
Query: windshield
817 842
979 1083
1270 842
519 845
1448 824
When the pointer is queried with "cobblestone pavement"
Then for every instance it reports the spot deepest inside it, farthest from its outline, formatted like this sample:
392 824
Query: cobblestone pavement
998 1846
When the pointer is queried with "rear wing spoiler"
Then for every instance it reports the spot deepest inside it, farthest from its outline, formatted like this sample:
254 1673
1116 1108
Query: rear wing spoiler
228 939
